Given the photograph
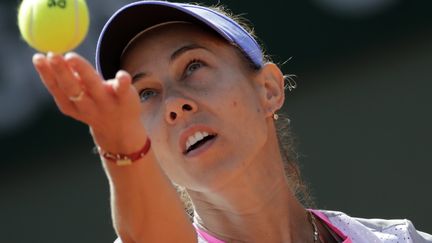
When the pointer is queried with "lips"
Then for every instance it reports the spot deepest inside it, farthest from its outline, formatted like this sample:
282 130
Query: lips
195 137
197 140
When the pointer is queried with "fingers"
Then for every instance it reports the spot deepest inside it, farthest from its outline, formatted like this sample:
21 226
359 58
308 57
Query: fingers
49 80
68 81
45 73
89 77
68 77
123 84
71 84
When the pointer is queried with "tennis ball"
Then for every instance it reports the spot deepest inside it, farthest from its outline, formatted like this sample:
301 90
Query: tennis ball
53 25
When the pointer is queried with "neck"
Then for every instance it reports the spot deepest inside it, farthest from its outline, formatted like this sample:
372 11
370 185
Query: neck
255 206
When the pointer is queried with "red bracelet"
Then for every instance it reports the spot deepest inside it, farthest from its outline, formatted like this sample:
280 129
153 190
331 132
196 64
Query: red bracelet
126 159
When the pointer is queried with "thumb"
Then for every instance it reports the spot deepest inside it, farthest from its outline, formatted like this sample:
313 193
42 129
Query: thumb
122 84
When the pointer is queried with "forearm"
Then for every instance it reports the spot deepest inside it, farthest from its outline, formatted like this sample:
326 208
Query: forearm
145 205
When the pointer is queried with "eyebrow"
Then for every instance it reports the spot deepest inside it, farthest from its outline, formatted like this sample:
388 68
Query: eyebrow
138 76
184 49
177 53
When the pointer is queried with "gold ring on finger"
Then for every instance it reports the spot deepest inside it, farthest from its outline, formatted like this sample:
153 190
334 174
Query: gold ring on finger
77 97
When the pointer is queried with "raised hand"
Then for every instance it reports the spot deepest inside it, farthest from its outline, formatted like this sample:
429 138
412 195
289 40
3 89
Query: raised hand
110 108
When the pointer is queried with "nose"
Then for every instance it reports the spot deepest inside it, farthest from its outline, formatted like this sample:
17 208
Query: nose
177 108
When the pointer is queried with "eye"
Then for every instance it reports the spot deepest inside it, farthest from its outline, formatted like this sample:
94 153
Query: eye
193 66
146 94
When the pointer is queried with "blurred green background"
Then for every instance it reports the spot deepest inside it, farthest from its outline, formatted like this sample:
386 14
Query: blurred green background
361 115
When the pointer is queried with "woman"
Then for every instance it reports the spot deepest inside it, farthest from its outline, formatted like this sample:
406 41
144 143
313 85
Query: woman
196 106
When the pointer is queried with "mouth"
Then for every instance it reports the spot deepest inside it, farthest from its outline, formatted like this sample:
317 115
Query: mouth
198 140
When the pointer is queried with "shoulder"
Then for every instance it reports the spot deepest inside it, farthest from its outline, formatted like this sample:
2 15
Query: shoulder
377 230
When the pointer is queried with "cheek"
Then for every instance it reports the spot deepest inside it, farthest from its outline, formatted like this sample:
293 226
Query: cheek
242 103
242 115
156 132
161 143
246 110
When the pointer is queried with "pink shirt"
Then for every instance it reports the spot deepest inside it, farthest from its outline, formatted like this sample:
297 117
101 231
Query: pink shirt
354 230
357 230
207 238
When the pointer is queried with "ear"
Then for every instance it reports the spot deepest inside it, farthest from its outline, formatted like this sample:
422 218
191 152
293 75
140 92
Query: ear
270 82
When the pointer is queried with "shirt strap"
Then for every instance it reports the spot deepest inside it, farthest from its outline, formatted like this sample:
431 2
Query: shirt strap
326 220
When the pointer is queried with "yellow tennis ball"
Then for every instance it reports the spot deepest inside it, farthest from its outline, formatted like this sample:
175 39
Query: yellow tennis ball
53 25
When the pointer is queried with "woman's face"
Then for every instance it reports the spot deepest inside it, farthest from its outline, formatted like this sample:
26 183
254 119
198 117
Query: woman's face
200 104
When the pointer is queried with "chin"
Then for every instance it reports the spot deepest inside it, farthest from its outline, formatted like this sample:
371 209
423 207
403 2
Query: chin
214 178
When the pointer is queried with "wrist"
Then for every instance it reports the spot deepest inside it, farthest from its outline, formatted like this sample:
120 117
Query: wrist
123 159
118 140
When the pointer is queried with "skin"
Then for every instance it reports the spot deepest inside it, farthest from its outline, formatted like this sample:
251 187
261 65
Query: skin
241 175
238 179
223 97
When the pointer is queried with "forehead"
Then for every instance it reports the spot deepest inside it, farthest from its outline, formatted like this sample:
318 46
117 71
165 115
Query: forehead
166 37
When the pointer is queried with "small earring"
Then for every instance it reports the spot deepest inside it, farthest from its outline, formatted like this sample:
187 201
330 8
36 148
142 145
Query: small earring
275 116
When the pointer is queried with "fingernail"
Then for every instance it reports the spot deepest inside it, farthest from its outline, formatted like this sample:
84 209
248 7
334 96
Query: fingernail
37 58
119 73
69 55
